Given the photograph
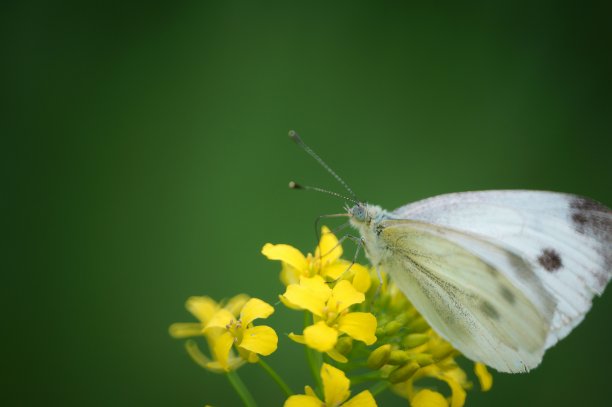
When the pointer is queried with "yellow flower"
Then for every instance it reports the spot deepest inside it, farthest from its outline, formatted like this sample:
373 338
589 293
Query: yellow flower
332 318
336 392
204 308
249 340
326 262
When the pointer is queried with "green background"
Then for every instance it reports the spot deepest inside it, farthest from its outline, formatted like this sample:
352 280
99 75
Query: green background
145 159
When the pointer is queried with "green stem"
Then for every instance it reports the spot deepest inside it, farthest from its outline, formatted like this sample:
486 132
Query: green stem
379 387
284 387
241 389
315 360
367 377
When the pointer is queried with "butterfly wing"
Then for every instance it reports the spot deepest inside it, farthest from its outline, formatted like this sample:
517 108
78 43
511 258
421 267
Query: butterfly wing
455 281
565 239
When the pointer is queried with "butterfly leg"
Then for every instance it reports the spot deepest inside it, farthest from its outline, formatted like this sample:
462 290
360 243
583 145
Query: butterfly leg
359 242
333 215
339 228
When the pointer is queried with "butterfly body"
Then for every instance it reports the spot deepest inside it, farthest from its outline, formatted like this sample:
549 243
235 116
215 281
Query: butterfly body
502 275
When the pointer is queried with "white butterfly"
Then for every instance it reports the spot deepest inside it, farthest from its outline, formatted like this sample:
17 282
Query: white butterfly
501 275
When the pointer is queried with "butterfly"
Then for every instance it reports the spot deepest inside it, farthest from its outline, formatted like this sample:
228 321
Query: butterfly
502 275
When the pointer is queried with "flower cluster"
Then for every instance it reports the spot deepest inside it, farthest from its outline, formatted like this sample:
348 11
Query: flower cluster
354 325
326 286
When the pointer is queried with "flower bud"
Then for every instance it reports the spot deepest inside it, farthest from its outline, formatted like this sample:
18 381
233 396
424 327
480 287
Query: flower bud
344 345
398 357
414 340
403 373
382 322
419 325
442 351
423 359
392 328
404 318
379 357
411 313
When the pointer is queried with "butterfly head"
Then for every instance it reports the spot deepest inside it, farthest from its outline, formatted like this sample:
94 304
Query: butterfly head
364 214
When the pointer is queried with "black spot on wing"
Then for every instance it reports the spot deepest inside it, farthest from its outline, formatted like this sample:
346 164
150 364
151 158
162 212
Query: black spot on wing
591 217
587 204
580 220
489 310
550 260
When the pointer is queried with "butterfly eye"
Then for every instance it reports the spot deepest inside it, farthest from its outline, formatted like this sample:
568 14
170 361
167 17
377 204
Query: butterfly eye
358 212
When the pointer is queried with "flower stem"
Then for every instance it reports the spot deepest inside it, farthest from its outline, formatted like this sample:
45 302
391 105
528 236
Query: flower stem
284 387
241 389
367 377
379 387
315 360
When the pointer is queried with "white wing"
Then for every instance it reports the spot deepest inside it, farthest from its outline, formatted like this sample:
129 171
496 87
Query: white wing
566 239
455 281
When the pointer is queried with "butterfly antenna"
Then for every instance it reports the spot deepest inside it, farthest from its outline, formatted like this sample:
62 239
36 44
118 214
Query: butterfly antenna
295 185
298 140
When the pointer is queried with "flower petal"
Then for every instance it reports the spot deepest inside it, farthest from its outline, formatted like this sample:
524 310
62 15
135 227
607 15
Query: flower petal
335 385
359 325
428 398
344 295
289 304
259 339
196 354
311 294
185 329
309 391
484 377
247 355
458 393
361 278
286 254
289 275
302 400
203 308
335 270
329 247
235 304
320 337
221 319
363 399
221 349
253 309
297 338
337 356
233 364
451 369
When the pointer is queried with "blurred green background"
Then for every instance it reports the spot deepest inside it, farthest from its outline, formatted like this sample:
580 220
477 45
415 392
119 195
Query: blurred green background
146 160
